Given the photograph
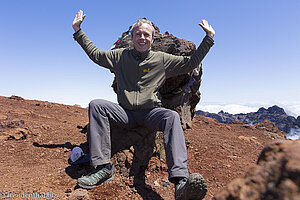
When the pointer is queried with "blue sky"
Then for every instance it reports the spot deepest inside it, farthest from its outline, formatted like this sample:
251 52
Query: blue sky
254 62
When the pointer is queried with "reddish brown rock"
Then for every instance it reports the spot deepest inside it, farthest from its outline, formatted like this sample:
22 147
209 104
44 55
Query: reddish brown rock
17 134
270 129
79 194
276 176
267 125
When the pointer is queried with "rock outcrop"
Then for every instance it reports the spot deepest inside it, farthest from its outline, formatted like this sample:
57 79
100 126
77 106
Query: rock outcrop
276 176
275 114
269 129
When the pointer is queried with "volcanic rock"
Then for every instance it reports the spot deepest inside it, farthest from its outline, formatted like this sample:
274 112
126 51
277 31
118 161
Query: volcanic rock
79 194
17 134
276 176
16 98
270 129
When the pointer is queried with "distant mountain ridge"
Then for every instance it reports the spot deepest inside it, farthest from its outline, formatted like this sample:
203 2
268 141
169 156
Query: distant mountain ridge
275 114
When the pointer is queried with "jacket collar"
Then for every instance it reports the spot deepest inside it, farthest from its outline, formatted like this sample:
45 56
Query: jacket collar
140 55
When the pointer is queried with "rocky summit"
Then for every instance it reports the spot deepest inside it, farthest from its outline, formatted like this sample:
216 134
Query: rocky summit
37 138
274 113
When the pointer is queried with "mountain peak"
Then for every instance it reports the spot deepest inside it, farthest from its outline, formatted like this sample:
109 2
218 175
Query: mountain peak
272 110
276 110
274 113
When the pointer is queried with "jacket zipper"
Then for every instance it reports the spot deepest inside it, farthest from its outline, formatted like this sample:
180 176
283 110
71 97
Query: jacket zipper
136 87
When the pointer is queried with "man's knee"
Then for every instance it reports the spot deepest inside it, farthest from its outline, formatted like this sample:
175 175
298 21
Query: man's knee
98 105
94 103
172 115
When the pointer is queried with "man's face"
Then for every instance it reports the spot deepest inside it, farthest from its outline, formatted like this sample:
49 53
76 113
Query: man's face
142 37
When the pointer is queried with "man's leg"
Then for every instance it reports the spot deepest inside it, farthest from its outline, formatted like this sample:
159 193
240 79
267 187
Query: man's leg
101 114
168 121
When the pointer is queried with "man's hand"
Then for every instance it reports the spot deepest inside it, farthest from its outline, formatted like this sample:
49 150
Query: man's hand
207 28
78 20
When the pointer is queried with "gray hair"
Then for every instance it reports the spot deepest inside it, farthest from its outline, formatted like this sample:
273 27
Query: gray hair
139 23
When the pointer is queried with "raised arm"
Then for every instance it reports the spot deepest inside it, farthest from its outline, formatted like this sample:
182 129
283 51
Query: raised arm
79 17
207 28
105 59
176 65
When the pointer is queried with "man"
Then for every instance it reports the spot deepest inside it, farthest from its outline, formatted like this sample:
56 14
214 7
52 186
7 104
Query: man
140 73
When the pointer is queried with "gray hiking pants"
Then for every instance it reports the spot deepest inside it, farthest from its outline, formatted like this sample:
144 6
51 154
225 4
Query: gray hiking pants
102 113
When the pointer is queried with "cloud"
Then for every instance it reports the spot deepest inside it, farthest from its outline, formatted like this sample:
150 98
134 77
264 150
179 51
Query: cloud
230 108
291 108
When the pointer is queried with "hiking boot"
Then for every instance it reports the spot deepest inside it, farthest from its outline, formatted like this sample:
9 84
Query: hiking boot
96 177
194 188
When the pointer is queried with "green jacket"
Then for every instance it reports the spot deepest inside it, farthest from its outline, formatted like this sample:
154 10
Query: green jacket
139 76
